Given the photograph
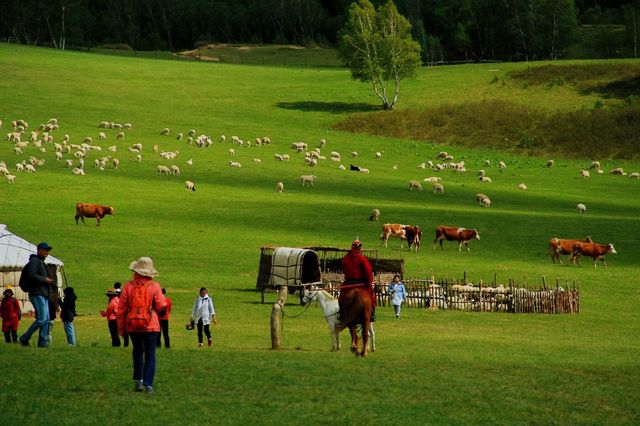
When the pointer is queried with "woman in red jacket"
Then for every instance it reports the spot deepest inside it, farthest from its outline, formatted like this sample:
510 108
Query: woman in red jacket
110 313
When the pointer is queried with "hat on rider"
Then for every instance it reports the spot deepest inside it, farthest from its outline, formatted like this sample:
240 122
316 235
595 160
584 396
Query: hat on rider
356 244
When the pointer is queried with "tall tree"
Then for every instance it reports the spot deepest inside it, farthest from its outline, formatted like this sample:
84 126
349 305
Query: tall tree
378 48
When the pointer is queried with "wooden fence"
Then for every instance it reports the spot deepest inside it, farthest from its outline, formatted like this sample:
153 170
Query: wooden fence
444 293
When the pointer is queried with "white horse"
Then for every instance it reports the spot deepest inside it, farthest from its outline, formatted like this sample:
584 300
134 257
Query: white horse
330 308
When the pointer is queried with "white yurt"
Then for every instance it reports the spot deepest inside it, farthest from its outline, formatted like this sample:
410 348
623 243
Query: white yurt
14 254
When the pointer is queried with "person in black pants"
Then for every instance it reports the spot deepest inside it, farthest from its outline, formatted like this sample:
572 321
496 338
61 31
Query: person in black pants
164 322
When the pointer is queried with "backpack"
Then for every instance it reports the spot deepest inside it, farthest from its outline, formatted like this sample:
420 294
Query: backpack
24 284
139 313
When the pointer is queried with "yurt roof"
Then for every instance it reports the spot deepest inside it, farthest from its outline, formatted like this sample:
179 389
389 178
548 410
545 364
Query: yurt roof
15 251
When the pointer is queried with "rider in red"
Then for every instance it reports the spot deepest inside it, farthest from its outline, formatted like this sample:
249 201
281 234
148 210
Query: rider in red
357 272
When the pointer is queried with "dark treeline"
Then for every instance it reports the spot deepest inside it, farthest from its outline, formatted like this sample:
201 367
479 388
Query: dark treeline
446 29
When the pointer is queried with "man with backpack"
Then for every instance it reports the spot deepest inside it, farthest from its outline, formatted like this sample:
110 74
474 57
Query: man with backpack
36 281
141 301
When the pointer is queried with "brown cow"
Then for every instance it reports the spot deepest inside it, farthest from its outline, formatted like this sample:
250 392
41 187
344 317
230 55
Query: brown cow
596 251
400 231
559 246
92 210
356 307
452 233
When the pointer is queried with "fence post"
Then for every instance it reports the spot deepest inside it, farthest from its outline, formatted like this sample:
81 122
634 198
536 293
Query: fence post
276 314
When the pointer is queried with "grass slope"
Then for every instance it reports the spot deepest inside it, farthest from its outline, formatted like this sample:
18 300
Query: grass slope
430 367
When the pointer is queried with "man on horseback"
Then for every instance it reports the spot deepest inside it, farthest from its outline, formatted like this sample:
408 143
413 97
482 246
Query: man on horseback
357 273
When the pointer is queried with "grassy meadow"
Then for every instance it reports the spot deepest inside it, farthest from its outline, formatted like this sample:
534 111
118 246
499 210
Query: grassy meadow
431 367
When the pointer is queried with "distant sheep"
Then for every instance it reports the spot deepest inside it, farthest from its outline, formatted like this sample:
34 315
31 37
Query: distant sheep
354 154
10 178
480 197
375 215
502 165
484 179
232 151
163 170
78 171
585 174
486 202
165 131
595 165
189 186
308 179
618 171
432 179
634 175
438 188
175 170
522 185
378 155
581 208
115 163
235 164
550 163
363 170
280 187
102 136
414 184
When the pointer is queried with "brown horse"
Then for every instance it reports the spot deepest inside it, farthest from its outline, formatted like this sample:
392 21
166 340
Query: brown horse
356 310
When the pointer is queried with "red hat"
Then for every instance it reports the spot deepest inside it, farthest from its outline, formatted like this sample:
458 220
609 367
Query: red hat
356 243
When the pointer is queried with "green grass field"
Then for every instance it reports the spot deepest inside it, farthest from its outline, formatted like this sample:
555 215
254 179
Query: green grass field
431 367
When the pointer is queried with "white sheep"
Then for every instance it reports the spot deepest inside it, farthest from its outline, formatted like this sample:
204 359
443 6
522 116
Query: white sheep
223 138
585 174
280 187
127 126
165 131
581 208
595 165
58 156
522 185
232 152
550 163
342 167
278 157
175 170
266 140
4 170
10 178
414 184
112 148
484 179
308 179
375 215
115 163
67 163
78 171
189 161
102 136
363 170
29 168
378 155
354 154
432 179
189 186
235 164
502 165
139 158
442 154
438 188
618 171
486 202
163 170
179 136
634 175
257 160
480 197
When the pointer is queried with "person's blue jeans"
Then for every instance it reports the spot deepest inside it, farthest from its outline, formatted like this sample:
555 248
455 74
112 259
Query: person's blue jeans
41 306
144 356
70 332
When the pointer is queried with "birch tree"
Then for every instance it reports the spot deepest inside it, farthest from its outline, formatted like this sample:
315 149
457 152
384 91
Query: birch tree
378 48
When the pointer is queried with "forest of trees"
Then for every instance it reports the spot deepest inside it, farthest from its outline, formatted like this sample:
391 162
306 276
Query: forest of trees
447 30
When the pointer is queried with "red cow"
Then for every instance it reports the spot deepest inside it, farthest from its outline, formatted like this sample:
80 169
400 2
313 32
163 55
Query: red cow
92 210
596 251
452 233
558 246
405 232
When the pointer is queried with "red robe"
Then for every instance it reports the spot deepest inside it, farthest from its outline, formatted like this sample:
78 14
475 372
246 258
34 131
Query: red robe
357 269
10 312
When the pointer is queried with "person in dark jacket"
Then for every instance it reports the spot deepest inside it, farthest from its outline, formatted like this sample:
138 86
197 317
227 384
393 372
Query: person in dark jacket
54 304
68 313
39 283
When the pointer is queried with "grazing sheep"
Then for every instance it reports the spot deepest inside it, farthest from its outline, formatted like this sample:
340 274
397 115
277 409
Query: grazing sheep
257 160
179 136
480 197
112 148
155 148
432 179
502 165
138 158
165 131
363 170
422 166
115 163
192 132
189 161
58 156
618 171
102 136
285 157
448 158
484 179
266 140
17 150
438 188
522 185
4 170
595 165
29 168
10 178
414 184
308 179
278 157
163 170
481 173
634 175
378 155
127 126
78 171
280 187
235 164
487 163
442 154
323 143
175 170
189 186
585 174
232 151
354 154
581 208
342 167
486 202
67 164
136 146
550 163
375 215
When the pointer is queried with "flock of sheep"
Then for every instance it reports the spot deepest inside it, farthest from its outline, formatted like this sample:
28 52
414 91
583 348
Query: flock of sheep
74 155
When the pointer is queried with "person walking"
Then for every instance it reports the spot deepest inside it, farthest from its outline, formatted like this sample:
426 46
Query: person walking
141 303
164 323
110 314
68 313
203 313
36 278
117 286
54 301
11 314
357 273
398 294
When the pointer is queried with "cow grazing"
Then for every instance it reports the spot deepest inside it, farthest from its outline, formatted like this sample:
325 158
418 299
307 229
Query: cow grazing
404 232
452 233
594 250
559 246
92 210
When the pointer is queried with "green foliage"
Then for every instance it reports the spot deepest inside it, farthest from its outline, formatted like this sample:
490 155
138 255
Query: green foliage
378 48
440 367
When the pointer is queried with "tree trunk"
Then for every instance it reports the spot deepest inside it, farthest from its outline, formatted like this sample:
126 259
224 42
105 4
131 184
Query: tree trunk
276 315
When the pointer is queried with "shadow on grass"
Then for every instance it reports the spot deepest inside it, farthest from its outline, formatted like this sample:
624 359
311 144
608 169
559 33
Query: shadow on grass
332 107
616 89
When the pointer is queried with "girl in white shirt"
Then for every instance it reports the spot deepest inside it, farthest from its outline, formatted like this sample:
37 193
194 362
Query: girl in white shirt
203 313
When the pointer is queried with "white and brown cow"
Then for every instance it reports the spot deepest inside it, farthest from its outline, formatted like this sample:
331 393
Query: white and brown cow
92 210
558 246
453 233
404 232
593 250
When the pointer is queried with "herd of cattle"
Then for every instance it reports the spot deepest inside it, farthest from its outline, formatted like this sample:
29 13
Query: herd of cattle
575 248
